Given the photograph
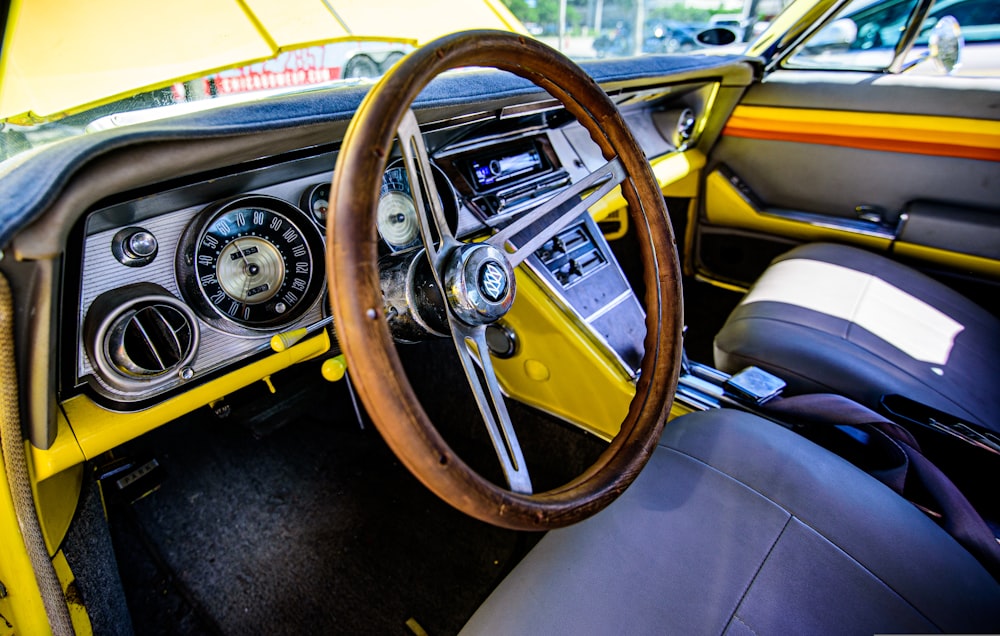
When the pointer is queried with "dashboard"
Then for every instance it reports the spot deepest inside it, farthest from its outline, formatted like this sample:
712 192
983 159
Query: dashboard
171 264
182 284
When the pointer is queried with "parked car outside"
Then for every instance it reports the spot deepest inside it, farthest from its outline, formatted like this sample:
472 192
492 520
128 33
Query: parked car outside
670 37
869 32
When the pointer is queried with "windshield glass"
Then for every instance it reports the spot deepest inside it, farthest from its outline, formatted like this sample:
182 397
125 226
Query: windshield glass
865 36
47 89
583 29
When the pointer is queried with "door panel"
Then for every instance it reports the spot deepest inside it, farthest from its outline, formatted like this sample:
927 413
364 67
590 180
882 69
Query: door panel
880 161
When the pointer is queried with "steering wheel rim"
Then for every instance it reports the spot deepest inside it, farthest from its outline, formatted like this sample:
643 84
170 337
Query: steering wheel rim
358 305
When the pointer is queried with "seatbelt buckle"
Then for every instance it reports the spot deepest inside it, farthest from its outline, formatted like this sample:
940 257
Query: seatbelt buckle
754 385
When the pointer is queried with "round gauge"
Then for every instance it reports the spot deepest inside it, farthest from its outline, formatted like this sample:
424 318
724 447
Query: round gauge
316 201
397 214
254 262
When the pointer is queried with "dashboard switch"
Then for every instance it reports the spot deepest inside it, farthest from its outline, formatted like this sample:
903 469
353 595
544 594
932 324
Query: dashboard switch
571 256
134 247
141 244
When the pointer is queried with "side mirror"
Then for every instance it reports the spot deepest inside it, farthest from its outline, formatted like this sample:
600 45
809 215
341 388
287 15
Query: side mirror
716 36
946 43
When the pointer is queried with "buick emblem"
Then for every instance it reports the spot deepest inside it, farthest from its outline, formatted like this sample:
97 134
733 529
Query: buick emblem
492 281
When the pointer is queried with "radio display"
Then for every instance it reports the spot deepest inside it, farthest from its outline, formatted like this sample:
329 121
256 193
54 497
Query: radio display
505 165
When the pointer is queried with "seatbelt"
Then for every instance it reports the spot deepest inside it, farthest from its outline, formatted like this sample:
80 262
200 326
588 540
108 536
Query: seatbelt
906 466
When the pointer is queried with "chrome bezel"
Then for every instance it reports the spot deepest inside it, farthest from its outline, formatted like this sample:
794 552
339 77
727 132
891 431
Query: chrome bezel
108 311
194 293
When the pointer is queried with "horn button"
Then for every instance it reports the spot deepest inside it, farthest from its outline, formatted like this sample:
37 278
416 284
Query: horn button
479 284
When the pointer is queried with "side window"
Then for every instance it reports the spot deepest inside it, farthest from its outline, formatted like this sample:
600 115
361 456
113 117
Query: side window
865 34
979 19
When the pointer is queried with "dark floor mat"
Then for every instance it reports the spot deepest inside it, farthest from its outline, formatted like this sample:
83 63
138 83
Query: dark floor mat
313 527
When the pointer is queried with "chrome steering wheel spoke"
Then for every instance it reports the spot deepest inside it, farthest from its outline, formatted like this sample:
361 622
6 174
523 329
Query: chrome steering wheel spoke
430 212
466 318
490 400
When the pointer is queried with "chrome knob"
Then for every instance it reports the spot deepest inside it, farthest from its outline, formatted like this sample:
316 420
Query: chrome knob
134 246
142 244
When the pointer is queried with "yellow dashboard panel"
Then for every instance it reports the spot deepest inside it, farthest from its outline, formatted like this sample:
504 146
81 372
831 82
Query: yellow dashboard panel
91 429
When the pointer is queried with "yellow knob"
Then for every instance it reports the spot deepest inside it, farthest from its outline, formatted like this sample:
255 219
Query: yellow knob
284 341
334 368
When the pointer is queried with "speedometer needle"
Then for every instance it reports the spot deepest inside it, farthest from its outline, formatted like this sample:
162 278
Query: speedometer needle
246 290
249 270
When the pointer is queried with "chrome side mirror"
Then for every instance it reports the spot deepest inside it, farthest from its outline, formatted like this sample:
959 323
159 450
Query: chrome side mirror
945 44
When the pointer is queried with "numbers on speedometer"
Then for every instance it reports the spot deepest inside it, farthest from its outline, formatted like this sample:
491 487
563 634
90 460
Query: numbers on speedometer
251 263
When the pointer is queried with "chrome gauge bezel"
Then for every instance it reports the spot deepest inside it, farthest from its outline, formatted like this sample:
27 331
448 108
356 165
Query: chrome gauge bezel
261 220
395 182
316 202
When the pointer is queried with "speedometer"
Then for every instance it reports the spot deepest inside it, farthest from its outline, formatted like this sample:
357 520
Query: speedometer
251 263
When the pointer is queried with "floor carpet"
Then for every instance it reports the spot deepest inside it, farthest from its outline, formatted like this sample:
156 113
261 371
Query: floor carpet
298 521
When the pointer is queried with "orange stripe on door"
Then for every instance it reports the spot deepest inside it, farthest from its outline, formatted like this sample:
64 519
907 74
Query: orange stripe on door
916 134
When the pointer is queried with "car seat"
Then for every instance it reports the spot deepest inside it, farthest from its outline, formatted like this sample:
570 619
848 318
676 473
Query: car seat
739 526
835 319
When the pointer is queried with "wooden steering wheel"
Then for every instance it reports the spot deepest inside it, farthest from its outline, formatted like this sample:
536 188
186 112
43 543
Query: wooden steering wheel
477 281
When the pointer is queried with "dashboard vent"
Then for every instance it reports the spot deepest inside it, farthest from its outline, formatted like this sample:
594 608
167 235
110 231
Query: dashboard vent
139 337
150 340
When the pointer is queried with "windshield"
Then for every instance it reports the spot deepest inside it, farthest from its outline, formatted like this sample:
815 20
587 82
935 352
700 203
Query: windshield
583 29
75 72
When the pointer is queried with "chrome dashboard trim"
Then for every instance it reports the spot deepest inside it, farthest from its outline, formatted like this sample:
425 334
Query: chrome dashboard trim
614 302
102 272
